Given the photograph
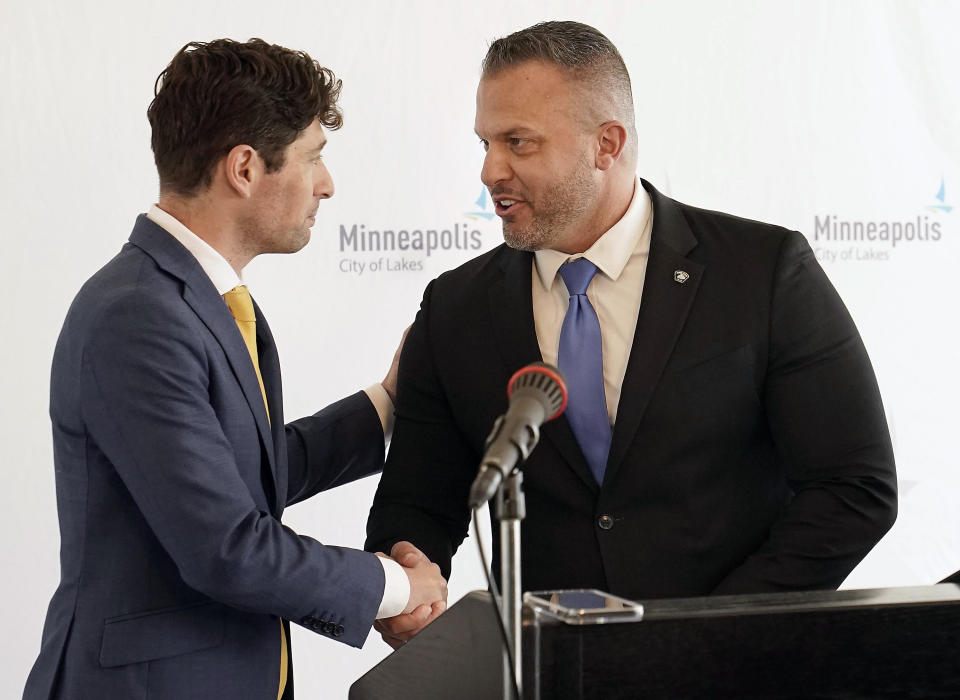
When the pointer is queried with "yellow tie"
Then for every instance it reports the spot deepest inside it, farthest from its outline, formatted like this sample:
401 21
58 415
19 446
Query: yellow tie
241 306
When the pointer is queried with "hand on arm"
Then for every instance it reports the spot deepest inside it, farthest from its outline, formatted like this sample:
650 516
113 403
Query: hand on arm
389 382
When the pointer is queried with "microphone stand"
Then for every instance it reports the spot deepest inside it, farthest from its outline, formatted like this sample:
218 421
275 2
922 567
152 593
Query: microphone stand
510 509
537 394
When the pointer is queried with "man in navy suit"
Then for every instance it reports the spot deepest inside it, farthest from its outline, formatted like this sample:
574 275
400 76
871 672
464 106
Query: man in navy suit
173 462
736 439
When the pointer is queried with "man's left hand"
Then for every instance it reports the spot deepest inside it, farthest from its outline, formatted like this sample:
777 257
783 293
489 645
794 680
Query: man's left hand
389 382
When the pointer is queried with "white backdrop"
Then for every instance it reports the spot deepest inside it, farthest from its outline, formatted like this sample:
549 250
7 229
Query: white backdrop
815 114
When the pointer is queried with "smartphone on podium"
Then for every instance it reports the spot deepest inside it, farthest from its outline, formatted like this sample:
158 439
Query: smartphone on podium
583 606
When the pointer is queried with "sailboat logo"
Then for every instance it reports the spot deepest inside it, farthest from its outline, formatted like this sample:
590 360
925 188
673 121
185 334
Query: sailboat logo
485 206
945 208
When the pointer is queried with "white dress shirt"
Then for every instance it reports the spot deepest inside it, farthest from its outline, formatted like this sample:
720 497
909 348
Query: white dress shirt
396 591
620 255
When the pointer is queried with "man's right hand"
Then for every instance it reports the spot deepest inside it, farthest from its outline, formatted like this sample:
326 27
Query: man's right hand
428 596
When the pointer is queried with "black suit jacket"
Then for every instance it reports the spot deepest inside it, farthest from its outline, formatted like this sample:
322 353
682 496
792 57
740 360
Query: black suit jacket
751 452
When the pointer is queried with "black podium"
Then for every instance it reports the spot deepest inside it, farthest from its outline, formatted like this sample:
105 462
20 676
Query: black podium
875 643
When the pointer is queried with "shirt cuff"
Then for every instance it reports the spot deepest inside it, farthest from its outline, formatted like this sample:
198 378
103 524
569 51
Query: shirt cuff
381 401
396 589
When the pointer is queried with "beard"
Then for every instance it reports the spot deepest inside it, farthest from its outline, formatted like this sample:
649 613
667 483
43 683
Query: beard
558 206
261 234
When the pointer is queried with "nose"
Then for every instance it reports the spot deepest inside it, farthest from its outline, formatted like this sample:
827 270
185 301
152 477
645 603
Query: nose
322 182
496 166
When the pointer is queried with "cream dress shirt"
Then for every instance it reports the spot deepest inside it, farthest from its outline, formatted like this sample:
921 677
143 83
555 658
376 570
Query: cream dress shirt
615 291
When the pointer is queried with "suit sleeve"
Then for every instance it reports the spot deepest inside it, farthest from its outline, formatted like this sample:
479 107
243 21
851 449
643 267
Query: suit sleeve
340 444
145 388
422 495
826 417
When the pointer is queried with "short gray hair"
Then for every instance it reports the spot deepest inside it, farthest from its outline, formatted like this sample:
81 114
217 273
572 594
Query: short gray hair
589 57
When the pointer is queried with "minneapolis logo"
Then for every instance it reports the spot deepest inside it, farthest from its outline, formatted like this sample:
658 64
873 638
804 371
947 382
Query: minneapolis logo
425 240
831 228
484 205
941 197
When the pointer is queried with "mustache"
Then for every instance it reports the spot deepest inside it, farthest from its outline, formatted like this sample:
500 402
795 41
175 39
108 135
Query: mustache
505 193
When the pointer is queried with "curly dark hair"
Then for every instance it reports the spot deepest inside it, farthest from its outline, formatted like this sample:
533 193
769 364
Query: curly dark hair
216 95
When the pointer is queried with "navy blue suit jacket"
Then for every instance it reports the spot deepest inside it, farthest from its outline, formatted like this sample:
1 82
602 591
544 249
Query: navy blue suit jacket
171 481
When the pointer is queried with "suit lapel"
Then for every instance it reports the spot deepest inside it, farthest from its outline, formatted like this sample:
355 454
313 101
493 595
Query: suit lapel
270 371
663 312
511 308
200 294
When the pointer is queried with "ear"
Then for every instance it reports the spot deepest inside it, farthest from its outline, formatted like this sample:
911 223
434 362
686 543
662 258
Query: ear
611 140
242 169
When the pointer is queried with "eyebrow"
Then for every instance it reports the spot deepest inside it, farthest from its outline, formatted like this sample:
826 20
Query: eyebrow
511 132
318 149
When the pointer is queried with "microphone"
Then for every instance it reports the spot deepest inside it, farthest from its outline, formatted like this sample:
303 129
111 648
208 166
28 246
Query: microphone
537 394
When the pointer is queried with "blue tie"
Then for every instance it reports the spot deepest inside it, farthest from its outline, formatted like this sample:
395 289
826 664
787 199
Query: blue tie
581 361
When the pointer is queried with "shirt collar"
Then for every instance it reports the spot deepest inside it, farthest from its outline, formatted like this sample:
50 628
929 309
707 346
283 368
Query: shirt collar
223 276
613 249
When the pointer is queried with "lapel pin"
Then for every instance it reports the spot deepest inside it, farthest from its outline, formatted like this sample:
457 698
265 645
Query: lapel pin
680 276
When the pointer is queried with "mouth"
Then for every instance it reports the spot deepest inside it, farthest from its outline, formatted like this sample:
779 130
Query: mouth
506 206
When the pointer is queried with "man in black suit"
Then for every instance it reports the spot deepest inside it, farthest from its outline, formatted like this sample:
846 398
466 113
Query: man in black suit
743 444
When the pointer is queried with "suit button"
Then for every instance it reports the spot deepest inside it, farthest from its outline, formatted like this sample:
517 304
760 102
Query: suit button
605 522
338 631
308 621
329 627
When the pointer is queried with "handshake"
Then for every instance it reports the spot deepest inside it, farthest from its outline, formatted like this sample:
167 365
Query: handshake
428 596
